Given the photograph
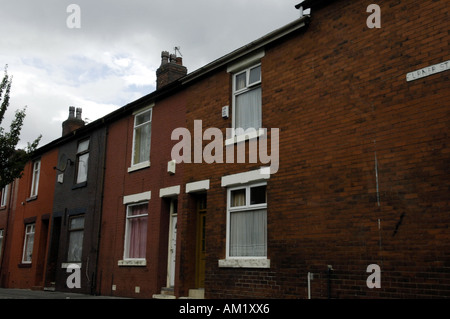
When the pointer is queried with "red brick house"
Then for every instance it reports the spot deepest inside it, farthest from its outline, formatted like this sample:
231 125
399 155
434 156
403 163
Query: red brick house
27 223
141 192
363 160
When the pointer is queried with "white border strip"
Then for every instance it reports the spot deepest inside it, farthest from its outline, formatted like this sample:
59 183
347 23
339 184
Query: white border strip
197 186
247 177
135 198
169 191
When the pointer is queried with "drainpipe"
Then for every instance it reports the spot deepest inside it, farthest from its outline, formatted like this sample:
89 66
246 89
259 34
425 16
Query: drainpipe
329 271
310 277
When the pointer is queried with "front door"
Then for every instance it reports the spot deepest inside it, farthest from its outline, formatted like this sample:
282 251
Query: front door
172 243
201 242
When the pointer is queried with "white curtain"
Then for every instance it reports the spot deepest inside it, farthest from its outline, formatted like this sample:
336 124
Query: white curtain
248 109
142 143
75 245
82 168
248 233
76 239
137 232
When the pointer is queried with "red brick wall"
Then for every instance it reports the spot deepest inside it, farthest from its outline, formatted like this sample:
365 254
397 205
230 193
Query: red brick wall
28 276
348 117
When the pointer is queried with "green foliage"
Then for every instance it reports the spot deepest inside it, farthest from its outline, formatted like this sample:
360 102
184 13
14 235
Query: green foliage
12 160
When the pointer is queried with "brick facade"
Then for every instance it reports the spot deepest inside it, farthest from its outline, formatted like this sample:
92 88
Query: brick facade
362 179
363 157
29 210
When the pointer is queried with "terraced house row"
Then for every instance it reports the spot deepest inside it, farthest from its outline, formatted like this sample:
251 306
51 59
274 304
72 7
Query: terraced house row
151 202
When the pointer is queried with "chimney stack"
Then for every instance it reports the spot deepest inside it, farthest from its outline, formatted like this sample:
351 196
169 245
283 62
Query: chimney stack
73 122
171 69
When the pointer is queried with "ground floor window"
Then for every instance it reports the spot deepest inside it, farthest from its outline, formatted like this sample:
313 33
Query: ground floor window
247 221
76 234
28 243
136 231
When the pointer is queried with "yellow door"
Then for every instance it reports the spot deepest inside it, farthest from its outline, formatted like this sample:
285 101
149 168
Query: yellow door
201 243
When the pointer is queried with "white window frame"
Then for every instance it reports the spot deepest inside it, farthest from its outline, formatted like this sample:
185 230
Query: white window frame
127 230
249 133
4 197
79 155
36 172
146 163
30 230
246 207
70 232
1 242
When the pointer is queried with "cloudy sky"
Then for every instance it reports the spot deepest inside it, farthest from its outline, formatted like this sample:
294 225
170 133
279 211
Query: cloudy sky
112 58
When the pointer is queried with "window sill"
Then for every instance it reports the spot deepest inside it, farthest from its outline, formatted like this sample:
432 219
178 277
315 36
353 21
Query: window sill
24 265
139 166
70 265
244 263
132 262
79 185
29 199
244 137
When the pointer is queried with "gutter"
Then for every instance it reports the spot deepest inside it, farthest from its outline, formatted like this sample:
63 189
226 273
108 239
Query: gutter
252 46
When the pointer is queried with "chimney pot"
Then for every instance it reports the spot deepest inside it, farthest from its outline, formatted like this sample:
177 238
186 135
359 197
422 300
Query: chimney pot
72 123
164 57
71 112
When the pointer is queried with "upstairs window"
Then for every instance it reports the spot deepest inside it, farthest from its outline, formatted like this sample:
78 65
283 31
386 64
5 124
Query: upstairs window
141 137
247 106
35 178
4 196
82 161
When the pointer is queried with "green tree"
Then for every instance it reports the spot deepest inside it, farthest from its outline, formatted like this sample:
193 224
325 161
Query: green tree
12 159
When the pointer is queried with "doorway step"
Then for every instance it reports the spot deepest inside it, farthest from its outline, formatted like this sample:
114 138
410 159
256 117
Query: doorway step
166 293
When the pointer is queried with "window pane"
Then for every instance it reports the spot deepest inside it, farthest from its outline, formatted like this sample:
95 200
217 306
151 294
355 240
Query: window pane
142 118
82 168
77 223
75 245
248 234
142 143
83 146
137 237
137 210
258 195
238 197
248 109
240 81
29 242
255 75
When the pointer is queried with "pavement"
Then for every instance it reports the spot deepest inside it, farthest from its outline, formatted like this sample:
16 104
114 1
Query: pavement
6 293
